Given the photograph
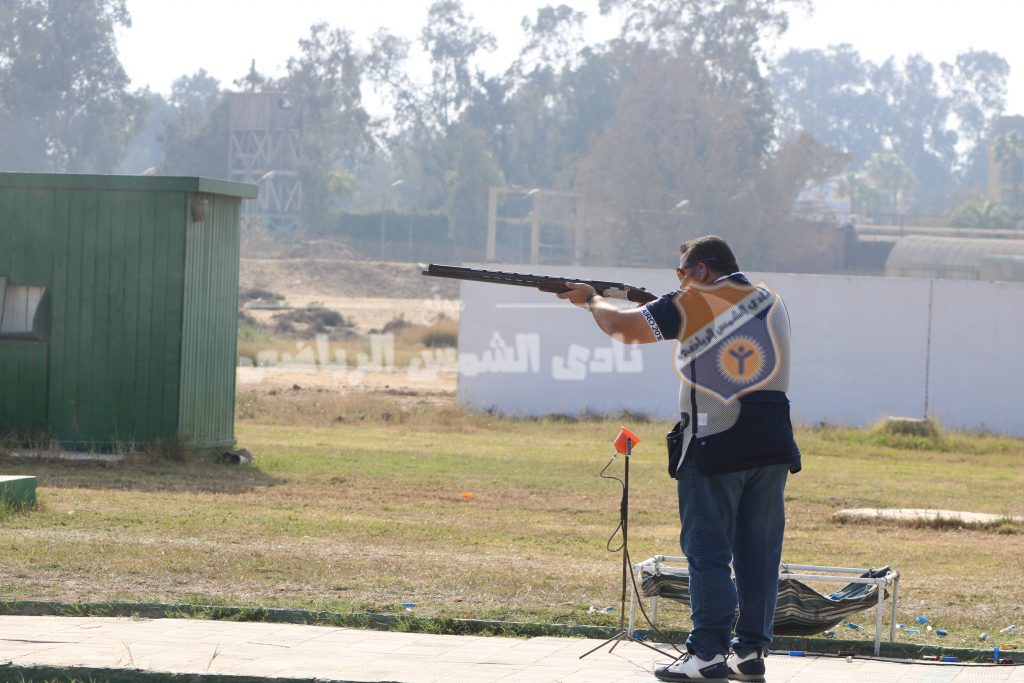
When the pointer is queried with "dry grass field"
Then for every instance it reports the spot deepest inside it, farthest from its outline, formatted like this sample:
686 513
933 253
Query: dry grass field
371 493
356 502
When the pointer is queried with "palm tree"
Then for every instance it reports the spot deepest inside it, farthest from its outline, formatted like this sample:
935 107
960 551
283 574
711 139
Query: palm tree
849 186
983 213
1008 150
891 174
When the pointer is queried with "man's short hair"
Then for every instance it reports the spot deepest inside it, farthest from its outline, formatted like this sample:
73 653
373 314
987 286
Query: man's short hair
712 250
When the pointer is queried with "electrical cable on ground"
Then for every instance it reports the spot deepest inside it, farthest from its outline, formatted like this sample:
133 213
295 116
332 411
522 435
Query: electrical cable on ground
629 561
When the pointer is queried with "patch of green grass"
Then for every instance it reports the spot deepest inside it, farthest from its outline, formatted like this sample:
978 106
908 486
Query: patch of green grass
11 510
7 510
251 333
367 513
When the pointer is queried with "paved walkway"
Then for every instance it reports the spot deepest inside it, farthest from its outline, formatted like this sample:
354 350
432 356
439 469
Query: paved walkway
298 651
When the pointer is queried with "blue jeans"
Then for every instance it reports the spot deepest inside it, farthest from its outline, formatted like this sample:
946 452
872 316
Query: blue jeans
737 517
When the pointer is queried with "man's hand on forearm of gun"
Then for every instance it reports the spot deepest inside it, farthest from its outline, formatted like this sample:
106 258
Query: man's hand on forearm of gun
579 294
626 325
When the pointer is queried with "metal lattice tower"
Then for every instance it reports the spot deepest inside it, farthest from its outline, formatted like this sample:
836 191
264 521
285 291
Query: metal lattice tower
265 149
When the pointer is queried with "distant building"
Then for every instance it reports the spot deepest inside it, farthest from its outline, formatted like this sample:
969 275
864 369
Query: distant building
960 258
265 149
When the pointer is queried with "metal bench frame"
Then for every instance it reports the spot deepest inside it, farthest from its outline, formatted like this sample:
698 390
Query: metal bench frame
790 571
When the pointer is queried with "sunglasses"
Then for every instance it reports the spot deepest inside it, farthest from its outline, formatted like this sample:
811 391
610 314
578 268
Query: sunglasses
692 264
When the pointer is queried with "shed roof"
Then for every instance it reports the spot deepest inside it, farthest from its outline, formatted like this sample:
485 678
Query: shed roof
917 252
139 183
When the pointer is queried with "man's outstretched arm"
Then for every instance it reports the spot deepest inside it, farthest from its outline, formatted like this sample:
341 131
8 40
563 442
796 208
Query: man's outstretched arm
628 325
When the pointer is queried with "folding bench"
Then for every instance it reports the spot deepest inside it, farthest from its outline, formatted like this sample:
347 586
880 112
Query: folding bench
800 610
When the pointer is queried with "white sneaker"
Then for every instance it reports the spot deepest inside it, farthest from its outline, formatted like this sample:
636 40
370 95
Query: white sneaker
690 667
748 668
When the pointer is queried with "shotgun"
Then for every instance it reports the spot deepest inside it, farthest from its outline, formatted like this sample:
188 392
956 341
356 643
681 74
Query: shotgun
545 283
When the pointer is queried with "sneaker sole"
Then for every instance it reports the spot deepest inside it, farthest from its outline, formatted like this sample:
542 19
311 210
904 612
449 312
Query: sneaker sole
748 678
680 677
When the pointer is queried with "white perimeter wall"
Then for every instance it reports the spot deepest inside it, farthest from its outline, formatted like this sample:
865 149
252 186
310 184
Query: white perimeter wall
863 348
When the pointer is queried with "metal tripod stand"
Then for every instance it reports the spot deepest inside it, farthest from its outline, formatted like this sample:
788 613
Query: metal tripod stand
623 633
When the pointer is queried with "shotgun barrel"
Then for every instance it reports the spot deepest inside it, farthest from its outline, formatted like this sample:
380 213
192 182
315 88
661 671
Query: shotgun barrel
545 283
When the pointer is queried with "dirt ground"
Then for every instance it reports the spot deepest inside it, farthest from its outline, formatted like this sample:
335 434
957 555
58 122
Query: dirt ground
340 278
398 386
369 295
367 314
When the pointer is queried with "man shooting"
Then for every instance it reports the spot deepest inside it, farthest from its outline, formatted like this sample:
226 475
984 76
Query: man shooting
731 451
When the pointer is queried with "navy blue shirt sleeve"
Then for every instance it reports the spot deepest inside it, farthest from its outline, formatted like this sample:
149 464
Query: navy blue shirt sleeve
663 317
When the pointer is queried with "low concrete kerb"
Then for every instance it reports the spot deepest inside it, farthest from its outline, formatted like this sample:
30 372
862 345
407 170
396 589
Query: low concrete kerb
923 516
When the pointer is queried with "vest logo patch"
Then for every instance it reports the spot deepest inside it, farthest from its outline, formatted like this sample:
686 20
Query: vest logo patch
727 347
741 359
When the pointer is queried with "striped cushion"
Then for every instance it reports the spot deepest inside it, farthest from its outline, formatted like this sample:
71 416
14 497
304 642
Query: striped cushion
800 610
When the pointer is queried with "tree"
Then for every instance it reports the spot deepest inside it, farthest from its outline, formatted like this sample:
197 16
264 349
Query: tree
726 35
780 239
668 141
452 41
711 29
554 40
934 119
916 127
428 147
828 93
383 68
195 135
145 150
679 156
977 82
848 187
327 75
64 99
1008 150
891 175
983 213
542 125
474 171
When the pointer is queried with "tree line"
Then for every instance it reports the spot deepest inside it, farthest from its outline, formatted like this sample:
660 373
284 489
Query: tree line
680 124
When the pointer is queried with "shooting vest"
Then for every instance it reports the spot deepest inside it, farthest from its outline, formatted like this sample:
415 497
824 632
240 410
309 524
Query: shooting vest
732 356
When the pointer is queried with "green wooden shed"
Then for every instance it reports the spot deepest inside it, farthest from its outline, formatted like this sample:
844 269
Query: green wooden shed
118 308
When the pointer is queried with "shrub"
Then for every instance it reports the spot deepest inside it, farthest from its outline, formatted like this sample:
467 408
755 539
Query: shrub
253 332
441 339
395 325
316 320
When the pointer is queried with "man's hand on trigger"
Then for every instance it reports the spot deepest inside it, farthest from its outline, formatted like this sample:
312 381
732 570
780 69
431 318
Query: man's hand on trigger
578 293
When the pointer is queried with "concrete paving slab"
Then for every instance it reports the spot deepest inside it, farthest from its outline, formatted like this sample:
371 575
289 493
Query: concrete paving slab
338 654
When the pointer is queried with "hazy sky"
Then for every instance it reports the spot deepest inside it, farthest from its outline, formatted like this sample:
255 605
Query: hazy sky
169 39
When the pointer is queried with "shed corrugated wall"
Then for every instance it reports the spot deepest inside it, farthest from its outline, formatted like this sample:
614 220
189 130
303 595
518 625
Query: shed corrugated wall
210 326
117 309
23 388
111 253
24 260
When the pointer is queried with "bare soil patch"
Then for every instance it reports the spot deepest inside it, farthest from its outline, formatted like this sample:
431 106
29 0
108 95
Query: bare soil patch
370 296
367 314
331 277
283 384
